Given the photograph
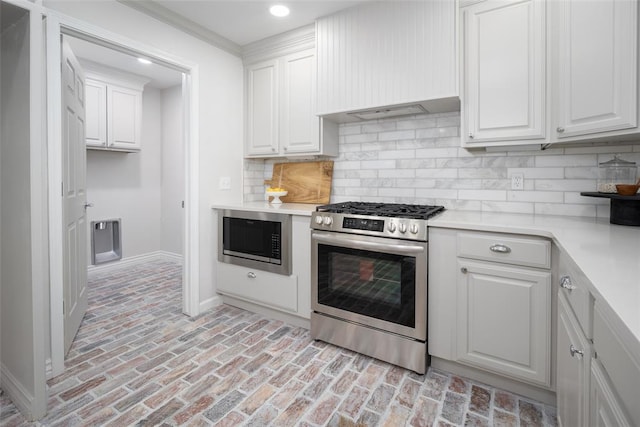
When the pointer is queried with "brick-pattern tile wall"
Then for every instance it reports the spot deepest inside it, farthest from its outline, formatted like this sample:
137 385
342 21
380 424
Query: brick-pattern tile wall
418 159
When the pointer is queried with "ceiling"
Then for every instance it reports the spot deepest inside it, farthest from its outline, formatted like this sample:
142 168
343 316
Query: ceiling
246 21
160 77
228 24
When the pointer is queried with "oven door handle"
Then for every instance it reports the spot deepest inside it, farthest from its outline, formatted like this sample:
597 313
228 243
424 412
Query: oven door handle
364 244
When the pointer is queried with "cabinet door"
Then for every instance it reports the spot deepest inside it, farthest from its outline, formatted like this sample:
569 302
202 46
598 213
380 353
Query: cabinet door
299 131
262 108
504 320
96 113
504 71
124 117
596 66
605 410
572 385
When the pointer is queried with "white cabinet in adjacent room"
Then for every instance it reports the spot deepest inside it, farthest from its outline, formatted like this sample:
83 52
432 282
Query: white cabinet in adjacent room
113 113
281 109
503 72
595 64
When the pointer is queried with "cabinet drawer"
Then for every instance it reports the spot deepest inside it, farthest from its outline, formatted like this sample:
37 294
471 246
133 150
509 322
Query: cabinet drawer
573 285
505 248
260 287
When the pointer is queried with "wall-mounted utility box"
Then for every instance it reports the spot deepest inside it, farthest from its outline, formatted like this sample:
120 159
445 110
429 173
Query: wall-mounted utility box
106 241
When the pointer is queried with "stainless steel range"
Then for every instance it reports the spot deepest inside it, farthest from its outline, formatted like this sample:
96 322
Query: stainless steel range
369 279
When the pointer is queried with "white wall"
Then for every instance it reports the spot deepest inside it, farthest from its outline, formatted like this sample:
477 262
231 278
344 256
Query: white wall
418 159
21 352
220 108
172 223
127 185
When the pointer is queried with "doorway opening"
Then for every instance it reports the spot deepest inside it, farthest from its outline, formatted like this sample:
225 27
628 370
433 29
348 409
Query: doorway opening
169 93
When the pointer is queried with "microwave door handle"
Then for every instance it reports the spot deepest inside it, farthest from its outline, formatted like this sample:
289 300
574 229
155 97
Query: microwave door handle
364 244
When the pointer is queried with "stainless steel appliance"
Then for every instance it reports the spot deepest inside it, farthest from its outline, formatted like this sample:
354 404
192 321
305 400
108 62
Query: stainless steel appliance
369 279
258 240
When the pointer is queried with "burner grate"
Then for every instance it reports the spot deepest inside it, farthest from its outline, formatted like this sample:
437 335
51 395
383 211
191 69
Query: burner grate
397 210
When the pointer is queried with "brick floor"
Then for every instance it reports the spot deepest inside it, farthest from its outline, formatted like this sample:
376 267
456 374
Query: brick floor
137 360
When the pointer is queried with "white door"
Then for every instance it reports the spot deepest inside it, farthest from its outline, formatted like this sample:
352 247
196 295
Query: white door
74 194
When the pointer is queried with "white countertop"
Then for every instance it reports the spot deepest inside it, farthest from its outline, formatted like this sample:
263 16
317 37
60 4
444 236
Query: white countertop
303 209
608 254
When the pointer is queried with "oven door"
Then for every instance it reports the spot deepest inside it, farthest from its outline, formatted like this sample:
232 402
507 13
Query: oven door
377 282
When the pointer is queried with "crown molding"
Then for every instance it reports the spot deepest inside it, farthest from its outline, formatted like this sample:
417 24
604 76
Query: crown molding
165 15
281 44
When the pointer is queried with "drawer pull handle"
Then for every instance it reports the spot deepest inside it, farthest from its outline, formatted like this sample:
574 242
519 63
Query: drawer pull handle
499 248
565 282
251 275
574 351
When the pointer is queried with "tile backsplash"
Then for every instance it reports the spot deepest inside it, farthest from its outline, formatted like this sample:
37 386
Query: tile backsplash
418 159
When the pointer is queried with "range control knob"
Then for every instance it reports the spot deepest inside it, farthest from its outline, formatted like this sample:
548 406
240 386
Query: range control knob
319 220
328 220
414 228
391 227
403 227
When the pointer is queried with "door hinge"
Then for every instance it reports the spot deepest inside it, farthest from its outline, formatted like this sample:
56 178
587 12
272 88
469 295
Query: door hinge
62 189
183 203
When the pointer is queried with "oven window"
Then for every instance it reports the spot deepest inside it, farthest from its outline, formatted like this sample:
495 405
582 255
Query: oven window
373 284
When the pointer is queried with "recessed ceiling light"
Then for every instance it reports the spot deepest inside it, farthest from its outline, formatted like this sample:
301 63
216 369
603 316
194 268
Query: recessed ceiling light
144 61
279 10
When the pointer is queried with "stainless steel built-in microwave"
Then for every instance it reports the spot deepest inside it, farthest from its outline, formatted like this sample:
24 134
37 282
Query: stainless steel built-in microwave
257 240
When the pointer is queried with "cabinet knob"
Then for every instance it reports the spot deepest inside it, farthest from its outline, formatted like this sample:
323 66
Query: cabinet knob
273 149
575 352
470 135
500 248
559 129
251 275
285 148
565 282
464 270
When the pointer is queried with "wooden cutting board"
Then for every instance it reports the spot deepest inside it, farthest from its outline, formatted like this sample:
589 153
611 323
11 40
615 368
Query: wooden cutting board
306 182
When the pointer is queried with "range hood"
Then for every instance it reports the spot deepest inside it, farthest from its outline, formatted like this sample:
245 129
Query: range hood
441 105
379 113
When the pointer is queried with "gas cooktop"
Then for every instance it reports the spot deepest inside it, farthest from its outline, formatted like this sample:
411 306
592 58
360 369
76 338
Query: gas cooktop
386 220
394 210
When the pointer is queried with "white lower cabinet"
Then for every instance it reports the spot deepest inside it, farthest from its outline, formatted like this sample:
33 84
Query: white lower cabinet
504 319
573 367
598 375
269 289
488 307
605 409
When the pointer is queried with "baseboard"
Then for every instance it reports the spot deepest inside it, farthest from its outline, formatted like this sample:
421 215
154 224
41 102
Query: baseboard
267 312
209 303
530 391
16 392
151 256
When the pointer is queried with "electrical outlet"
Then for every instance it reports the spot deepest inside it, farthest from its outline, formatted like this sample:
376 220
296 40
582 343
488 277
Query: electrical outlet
225 183
517 181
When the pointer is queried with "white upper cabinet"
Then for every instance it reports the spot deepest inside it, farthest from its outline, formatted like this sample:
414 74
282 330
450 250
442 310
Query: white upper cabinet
114 112
596 46
299 125
503 78
387 53
262 108
281 92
